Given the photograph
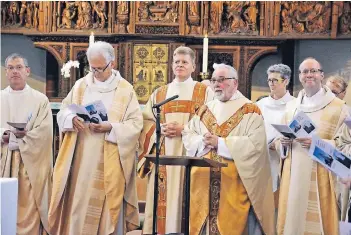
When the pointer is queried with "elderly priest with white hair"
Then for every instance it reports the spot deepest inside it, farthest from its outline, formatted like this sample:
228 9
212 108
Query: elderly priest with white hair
237 199
94 189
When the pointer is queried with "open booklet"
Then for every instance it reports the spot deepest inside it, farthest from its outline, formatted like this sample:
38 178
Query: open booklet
20 125
300 127
94 112
332 159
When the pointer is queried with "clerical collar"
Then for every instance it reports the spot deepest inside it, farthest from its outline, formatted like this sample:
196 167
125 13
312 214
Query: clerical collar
26 88
285 99
236 95
105 83
318 101
188 80
316 98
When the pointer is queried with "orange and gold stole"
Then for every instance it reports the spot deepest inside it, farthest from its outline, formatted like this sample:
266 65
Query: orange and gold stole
175 106
218 193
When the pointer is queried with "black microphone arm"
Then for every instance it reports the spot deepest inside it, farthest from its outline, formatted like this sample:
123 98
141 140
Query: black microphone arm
165 101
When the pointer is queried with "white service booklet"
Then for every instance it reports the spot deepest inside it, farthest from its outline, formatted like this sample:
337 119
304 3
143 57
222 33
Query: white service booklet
300 127
332 159
94 112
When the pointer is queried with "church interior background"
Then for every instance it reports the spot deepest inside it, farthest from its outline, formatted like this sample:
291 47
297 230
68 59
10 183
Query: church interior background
250 36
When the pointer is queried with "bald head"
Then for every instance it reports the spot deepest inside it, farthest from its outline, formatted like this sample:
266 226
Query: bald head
311 76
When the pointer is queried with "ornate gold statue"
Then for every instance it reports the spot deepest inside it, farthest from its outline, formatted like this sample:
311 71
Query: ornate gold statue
250 15
36 15
122 8
30 14
67 15
345 18
216 10
22 12
84 15
100 8
14 11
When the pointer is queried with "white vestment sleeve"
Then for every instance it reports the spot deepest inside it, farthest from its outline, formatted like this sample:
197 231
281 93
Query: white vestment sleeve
13 143
64 120
111 136
222 149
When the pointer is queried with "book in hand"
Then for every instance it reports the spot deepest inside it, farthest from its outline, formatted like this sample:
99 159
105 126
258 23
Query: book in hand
332 159
93 112
18 125
300 127
348 122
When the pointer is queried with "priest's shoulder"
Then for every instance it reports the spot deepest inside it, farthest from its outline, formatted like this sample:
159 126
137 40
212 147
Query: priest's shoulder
38 95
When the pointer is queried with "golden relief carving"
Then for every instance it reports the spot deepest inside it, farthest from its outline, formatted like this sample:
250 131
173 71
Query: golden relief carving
345 18
20 14
193 17
122 16
150 69
305 17
158 11
234 17
82 14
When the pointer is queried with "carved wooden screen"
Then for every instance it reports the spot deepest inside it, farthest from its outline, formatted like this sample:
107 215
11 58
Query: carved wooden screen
150 68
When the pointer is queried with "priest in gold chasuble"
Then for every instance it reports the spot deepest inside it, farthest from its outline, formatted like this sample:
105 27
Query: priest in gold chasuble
237 199
94 180
309 192
174 115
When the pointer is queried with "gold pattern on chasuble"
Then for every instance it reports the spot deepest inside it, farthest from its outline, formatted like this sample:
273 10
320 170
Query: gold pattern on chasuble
209 120
150 69
175 106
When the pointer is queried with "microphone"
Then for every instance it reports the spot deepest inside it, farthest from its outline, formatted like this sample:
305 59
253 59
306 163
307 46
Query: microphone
165 101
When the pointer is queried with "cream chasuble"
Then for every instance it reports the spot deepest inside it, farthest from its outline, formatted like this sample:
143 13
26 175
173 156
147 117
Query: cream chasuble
308 203
192 95
94 190
29 158
239 198
273 112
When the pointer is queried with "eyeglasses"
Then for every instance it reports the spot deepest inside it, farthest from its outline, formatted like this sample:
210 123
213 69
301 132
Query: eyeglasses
337 93
99 70
17 68
219 80
274 81
312 71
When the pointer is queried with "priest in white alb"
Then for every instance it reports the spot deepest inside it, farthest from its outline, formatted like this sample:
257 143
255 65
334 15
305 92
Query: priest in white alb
27 154
308 202
174 115
237 199
94 187
273 109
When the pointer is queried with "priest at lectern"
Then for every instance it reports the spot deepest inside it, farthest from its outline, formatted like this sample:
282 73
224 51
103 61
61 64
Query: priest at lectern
237 199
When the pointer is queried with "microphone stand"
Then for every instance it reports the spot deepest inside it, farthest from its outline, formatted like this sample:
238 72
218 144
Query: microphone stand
157 160
157 145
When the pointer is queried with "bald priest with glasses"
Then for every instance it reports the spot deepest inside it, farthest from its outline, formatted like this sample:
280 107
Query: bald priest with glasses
237 199
94 189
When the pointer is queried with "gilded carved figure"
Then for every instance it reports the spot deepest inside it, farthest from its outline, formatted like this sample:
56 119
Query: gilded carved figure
68 13
14 11
22 12
345 18
84 15
100 10
36 15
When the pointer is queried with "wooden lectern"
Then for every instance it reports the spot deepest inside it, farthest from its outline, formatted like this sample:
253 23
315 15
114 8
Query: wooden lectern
188 162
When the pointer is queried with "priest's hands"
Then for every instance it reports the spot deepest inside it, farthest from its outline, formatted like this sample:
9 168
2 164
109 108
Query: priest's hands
172 129
100 127
78 124
6 137
346 181
19 134
285 141
210 140
305 142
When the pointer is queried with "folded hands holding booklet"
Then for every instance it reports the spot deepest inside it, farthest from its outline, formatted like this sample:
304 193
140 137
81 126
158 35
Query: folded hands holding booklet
300 127
93 112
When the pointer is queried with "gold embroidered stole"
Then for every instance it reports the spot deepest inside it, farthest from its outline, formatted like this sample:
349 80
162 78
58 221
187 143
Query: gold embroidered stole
322 202
174 106
217 192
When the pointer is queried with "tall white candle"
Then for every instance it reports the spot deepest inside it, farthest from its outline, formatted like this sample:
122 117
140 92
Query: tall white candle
205 54
91 39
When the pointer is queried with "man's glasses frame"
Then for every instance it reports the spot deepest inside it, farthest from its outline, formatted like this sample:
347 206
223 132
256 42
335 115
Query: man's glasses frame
98 70
275 81
219 80
311 71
